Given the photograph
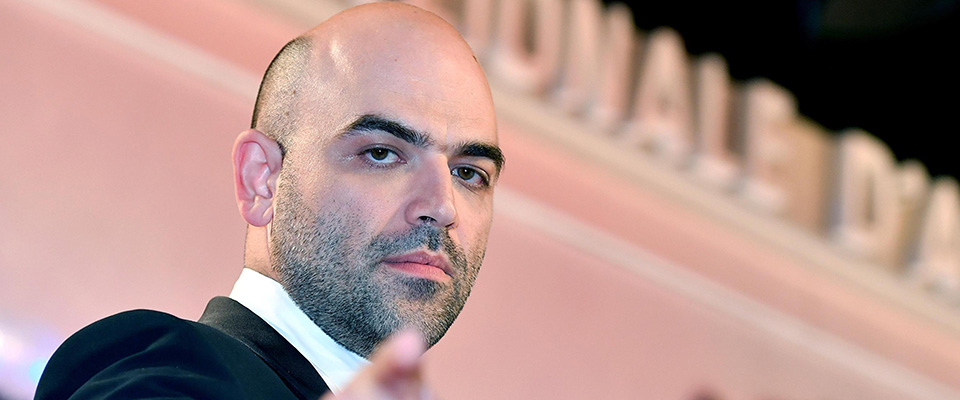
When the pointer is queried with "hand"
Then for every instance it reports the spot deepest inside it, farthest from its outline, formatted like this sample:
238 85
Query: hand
394 372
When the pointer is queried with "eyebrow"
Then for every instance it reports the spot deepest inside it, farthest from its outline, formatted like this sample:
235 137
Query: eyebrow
485 150
372 122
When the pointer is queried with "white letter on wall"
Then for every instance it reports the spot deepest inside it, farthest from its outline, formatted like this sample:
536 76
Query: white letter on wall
443 8
619 48
868 208
580 71
528 61
767 111
937 261
477 25
807 179
913 190
713 162
663 115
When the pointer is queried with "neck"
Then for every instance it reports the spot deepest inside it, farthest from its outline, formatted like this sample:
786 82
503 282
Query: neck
256 253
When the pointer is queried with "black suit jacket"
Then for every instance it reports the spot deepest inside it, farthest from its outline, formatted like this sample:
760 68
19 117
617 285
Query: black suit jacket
230 353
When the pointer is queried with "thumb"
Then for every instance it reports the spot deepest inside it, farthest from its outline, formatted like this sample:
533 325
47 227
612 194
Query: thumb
394 371
399 355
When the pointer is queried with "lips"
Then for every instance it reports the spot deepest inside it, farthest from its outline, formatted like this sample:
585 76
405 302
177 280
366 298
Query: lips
421 264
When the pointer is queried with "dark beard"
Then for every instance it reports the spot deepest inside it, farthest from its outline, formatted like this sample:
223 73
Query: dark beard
333 273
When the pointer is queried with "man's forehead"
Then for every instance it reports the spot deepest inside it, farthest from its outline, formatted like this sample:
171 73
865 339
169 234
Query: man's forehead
439 98
411 67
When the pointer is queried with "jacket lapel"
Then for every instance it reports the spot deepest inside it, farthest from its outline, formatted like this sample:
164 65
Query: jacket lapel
234 319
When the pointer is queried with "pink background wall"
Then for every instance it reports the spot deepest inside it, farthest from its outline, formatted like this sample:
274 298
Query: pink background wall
116 193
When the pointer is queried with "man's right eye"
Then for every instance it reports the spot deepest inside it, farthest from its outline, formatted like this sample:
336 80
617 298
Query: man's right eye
381 155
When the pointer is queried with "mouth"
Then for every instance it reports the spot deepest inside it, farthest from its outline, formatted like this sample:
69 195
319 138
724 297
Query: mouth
421 264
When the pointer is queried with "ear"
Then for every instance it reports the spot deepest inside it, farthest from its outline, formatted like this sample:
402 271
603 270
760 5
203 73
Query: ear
256 166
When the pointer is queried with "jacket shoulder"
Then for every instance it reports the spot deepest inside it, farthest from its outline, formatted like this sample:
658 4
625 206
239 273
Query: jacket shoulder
143 353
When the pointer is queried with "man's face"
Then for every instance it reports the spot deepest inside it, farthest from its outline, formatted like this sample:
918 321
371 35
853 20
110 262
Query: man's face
384 200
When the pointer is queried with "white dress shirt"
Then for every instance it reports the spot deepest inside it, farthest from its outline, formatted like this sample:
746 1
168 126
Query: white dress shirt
268 299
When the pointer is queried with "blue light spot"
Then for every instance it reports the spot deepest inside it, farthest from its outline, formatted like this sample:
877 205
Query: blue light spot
36 369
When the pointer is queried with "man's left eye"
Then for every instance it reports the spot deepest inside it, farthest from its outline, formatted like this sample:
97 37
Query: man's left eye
469 175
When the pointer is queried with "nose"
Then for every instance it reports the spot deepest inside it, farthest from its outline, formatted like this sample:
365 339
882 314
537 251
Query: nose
432 197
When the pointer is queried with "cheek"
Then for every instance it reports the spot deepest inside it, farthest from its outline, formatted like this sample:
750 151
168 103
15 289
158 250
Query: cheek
476 218
375 202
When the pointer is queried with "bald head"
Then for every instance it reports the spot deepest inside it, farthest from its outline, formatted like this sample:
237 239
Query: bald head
275 112
328 74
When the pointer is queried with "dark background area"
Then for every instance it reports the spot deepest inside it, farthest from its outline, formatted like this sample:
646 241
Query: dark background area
886 66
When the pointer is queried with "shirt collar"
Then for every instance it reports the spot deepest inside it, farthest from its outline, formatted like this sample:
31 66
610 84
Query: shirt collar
270 301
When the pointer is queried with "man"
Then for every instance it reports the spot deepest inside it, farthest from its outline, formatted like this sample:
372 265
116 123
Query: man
367 183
